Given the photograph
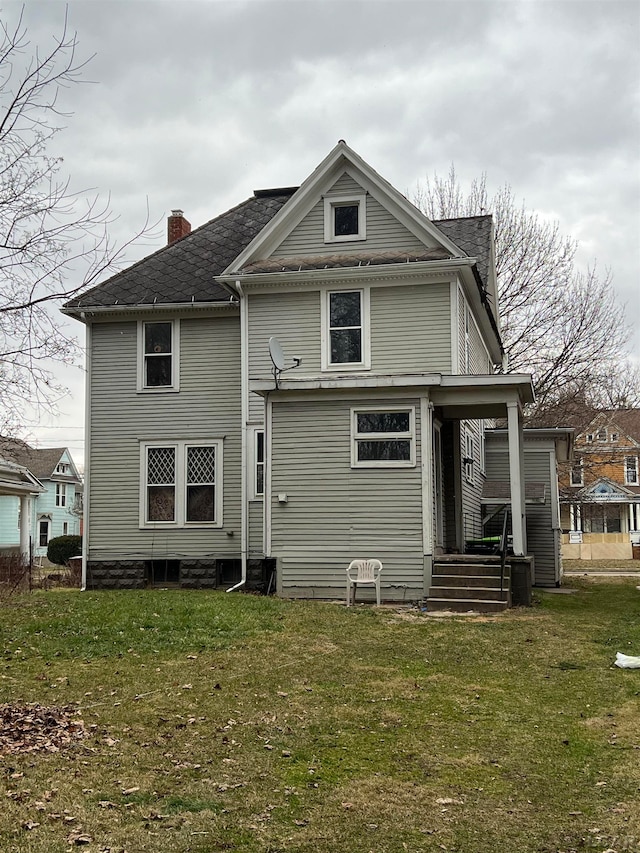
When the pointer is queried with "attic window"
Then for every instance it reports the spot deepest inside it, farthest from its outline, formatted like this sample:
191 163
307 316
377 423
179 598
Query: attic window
345 218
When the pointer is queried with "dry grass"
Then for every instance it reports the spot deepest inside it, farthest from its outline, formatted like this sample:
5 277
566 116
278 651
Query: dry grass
220 722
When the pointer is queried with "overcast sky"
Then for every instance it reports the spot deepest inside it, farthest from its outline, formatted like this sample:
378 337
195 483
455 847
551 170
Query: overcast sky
196 104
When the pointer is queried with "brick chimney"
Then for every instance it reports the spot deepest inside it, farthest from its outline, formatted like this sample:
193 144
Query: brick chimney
177 226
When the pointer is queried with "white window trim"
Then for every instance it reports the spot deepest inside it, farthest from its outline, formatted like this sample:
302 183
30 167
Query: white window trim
365 303
382 436
469 453
61 494
180 485
175 359
579 464
482 448
254 495
44 520
331 201
636 481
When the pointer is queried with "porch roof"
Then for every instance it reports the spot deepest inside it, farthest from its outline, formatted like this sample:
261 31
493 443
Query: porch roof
499 492
17 480
457 396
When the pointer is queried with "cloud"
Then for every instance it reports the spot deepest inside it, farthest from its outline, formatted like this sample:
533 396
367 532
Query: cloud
198 103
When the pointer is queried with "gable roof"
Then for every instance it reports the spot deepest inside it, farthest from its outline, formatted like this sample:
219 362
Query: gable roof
605 489
41 462
186 270
189 269
625 421
340 160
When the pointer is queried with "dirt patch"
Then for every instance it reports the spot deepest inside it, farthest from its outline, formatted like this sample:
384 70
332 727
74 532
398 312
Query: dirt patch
36 728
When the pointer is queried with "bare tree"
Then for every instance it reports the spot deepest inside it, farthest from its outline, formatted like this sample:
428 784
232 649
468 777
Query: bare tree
53 241
563 326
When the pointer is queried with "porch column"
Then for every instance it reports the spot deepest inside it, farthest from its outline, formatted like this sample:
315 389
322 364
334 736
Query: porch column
25 515
426 456
516 479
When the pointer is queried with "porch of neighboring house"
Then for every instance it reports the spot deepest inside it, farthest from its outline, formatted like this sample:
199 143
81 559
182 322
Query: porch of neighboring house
601 528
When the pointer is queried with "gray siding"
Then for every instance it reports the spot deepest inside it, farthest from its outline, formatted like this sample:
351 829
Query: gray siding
294 318
256 514
206 407
334 513
541 541
384 231
411 329
471 491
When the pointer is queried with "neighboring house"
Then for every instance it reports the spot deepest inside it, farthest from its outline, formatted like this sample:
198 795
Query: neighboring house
52 510
299 382
601 489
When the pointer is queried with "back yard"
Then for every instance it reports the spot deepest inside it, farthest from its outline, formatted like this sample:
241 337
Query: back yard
196 721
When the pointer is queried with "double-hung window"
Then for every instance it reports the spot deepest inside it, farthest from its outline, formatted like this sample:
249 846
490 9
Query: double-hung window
181 484
631 470
345 319
383 438
158 349
61 494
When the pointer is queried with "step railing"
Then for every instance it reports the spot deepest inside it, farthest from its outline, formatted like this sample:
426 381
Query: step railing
503 550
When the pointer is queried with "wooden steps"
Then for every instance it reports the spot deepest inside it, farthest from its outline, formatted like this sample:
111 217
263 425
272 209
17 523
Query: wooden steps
465 582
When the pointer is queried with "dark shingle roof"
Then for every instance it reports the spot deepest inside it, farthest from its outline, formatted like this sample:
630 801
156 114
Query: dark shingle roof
185 271
473 235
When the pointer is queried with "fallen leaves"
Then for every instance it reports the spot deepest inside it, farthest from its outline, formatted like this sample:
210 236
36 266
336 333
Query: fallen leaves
34 728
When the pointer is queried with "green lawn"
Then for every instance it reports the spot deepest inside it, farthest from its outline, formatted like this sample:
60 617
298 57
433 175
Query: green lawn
221 722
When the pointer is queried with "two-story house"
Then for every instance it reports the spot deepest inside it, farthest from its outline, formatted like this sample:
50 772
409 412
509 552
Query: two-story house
601 489
299 382
52 510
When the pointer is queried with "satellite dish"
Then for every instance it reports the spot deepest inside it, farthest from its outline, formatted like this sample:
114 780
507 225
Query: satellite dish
278 360
276 353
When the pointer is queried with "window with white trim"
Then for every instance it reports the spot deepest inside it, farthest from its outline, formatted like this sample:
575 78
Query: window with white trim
258 463
383 438
345 218
345 333
631 470
62 468
577 473
158 348
61 494
44 532
601 435
181 484
468 461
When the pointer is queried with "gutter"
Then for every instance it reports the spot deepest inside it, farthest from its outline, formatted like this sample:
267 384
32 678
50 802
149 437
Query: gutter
244 405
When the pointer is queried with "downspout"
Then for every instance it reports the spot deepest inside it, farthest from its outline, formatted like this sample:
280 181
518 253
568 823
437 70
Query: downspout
87 451
244 408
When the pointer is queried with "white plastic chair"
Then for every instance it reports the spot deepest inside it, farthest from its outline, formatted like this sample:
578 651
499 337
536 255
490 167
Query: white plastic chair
365 573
